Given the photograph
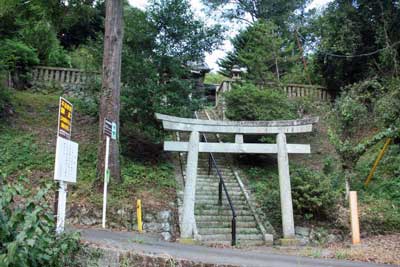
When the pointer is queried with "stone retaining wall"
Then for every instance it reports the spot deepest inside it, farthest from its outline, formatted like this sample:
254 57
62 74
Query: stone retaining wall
117 258
162 222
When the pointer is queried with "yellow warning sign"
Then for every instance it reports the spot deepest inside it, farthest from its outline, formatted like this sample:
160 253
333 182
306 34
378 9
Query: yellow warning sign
65 118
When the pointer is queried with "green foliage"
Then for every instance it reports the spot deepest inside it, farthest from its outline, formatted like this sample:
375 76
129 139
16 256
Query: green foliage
313 193
84 58
5 99
353 122
16 55
264 52
43 39
386 106
314 196
214 78
27 157
278 11
157 47
27 229
379 215
348 28
247 102
180 33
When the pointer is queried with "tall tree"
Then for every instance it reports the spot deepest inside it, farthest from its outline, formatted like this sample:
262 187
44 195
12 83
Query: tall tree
263 51
111 84
277 11
357 40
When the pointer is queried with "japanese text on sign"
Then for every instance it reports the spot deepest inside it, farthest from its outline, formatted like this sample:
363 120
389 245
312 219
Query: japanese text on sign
66 160
65 118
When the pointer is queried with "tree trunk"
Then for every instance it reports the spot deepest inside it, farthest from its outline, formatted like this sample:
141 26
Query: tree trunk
111 86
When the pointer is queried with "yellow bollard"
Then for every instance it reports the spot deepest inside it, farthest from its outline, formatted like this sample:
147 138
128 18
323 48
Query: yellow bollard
139 215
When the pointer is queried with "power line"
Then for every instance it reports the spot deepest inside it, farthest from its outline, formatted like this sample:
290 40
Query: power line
352 56
362 55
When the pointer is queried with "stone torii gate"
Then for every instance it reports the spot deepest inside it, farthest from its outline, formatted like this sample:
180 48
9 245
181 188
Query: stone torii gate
239 128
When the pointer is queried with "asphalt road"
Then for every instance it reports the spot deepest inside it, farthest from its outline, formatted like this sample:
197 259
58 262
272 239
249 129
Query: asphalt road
151 245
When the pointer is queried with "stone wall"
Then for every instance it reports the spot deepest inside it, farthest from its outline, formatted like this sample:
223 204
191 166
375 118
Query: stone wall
117 258
162 222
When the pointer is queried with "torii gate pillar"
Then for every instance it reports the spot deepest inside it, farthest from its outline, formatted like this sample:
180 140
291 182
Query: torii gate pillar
188 220
285 189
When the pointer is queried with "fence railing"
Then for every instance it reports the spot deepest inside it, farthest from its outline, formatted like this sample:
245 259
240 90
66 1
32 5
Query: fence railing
292 90
63 76
302 90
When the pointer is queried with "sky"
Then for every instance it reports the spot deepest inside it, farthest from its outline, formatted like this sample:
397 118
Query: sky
197 6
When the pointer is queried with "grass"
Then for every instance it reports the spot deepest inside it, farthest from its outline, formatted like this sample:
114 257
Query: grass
20 154
28 146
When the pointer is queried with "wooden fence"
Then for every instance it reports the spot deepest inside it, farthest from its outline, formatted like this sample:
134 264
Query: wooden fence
63 76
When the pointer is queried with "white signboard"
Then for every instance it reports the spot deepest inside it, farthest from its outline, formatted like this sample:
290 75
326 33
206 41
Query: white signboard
66 160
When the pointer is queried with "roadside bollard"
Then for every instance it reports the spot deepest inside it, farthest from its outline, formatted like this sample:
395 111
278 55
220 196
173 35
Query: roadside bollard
139 215
355 225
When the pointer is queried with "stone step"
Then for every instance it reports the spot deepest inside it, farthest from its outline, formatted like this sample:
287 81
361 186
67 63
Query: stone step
232 194
223 207
222 212
223 218
214 190
236 203
214 199
227 231
215 184
218 224
239 243
212 195
228 237
207 185
215 179
204 173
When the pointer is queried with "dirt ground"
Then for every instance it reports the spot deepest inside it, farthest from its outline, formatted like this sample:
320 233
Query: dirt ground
378 249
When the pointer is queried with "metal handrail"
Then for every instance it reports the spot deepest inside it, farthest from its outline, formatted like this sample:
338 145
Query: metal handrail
180 161
221 186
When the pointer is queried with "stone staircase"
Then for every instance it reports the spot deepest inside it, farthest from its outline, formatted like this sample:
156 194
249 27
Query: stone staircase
214 221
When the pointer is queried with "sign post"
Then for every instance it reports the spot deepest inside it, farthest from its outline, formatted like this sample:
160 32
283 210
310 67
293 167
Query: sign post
110 130
66 159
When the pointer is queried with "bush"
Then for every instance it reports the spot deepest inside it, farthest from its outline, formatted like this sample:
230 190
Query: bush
248 102
5 104
313 194
27 230
16 55
43 38
379 216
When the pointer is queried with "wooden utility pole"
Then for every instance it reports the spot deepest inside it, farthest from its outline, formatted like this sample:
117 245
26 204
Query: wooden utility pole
111 85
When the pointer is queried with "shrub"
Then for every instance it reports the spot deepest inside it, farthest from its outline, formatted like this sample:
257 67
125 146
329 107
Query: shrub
313 193
17 57
27 230
379 216
16 54
5 104
248 102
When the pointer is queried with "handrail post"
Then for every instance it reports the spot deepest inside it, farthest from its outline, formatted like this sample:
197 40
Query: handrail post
209 164
234 231
220 192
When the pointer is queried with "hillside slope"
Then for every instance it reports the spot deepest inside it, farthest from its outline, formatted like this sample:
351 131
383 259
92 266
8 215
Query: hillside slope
27 149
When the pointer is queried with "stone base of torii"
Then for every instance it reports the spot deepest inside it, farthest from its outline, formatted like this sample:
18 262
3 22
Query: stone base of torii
238 128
